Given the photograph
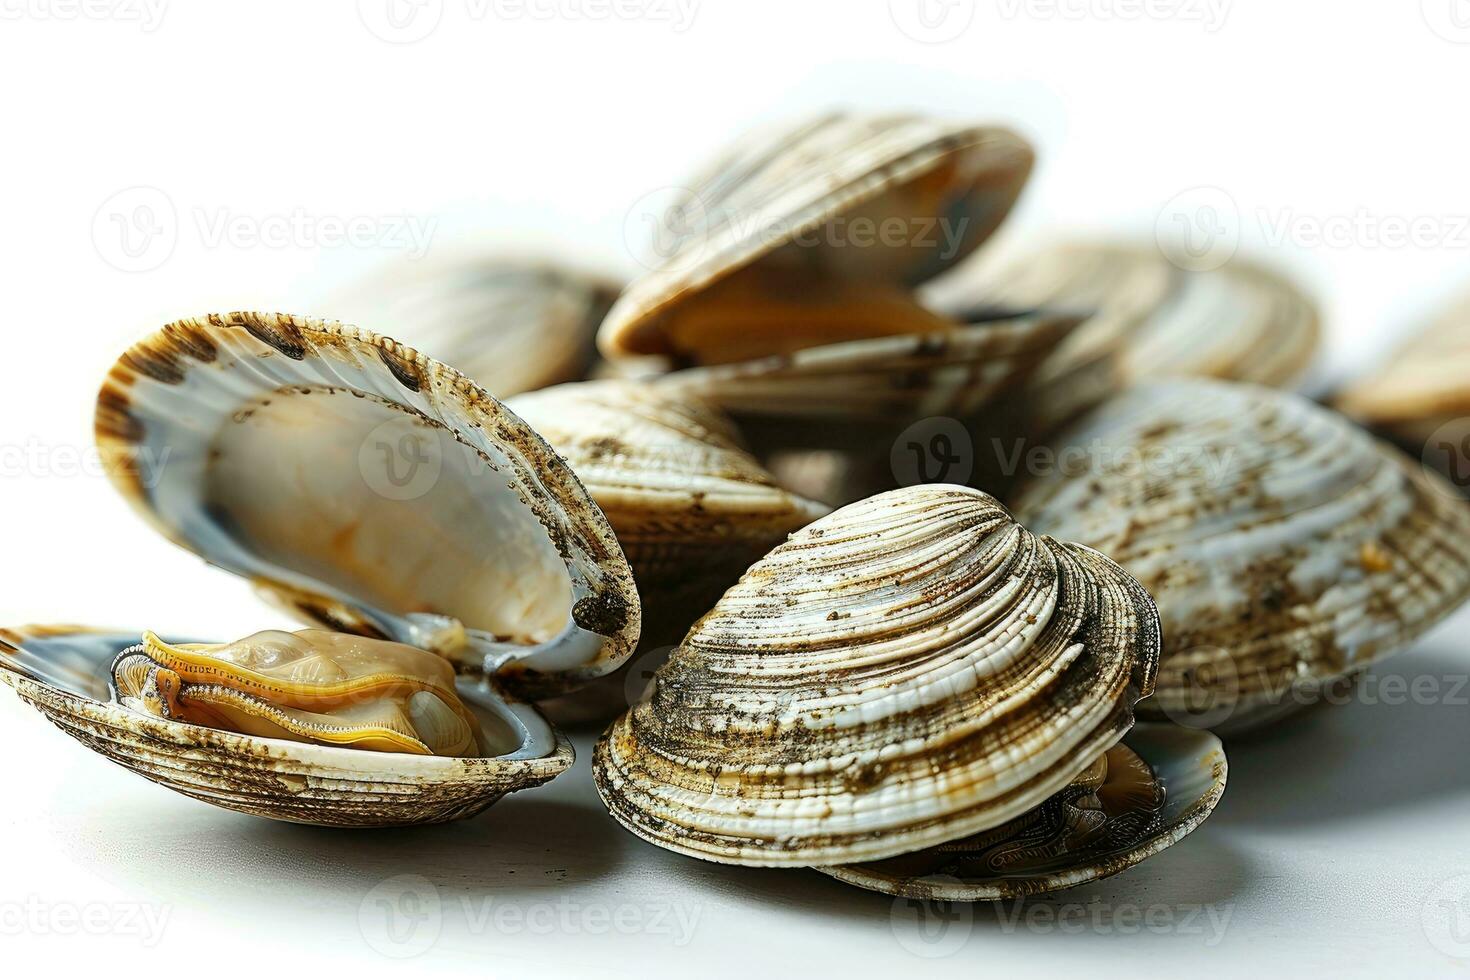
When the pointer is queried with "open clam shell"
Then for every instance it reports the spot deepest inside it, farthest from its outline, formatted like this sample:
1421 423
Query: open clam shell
512 324
1148 319
373 490
1285 546
690 507
773 199
64 672
906 671
1189 768
824 395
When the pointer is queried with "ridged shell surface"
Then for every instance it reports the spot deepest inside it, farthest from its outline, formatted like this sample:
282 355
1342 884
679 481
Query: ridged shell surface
908 670
62 671
1421 388
511 324
681 494
1190 769
1149 319
370 488
780 186
1285 546
829 394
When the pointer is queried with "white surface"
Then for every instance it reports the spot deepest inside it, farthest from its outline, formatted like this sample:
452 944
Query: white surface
1334 834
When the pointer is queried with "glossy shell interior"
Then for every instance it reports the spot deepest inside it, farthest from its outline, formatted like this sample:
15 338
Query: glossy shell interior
63 671
371 489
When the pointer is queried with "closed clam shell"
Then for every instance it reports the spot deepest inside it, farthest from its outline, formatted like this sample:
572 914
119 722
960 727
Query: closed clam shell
63 671
1285 546
1188 769
371 489
770 197
1421 391
686 501
513 324
906 671
1148 319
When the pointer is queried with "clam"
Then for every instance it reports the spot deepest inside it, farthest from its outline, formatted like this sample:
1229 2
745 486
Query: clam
513 324
690 507
1148 319
1419 396
373 491
1286 547
785 285
907 672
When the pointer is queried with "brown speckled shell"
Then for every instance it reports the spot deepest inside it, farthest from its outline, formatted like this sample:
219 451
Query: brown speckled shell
903 672
1285 547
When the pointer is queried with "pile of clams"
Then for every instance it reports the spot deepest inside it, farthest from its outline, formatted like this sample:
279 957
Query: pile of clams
922 689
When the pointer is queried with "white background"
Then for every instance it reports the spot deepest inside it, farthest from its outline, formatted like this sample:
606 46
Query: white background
540 125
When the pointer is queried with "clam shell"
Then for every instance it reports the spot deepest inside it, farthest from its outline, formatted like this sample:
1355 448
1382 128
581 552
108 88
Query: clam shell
1189 763
372 489
690 507
775 188
1422 388
63 670
1285 547
906 671
512 324
1149 319
841 393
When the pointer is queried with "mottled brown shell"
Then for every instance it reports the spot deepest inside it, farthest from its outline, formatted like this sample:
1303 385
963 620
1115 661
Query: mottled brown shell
905 671
1285 547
